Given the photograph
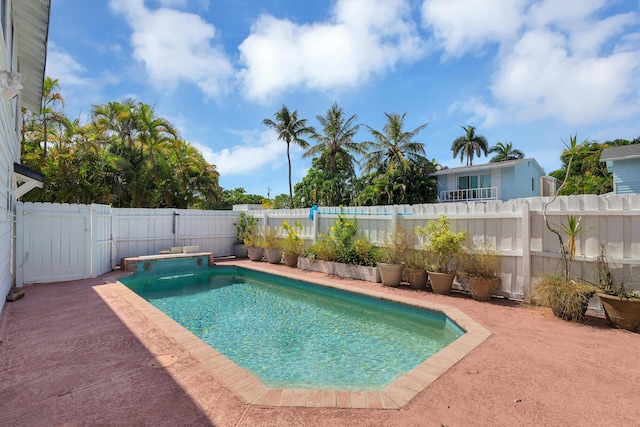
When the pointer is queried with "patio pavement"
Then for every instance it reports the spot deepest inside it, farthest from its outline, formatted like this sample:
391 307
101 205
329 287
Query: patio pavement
79 354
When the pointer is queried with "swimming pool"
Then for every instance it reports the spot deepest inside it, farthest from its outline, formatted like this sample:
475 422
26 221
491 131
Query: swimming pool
293 334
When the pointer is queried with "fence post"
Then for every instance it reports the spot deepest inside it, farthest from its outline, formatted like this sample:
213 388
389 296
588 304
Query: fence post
19 245
394 218
316 218
93 248
176 228
526 250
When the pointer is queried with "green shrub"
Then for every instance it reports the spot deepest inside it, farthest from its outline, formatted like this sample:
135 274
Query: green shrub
322 250
292 243
442 244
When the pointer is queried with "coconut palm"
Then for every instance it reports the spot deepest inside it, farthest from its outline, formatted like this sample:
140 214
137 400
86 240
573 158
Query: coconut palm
335 144
394 148
469 145
505 152
289 129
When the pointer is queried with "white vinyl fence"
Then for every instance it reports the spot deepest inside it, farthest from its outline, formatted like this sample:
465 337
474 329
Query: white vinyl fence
65 242
56 242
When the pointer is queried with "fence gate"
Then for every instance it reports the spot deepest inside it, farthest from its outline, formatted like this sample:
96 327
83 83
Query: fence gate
53 242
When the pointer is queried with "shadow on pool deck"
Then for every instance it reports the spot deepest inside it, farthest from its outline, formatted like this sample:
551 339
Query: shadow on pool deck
77 353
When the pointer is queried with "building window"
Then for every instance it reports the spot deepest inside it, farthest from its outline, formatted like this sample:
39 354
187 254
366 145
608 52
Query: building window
532 185
474 181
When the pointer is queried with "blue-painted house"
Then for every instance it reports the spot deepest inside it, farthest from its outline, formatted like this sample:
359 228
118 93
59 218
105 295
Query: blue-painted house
624 163
511 179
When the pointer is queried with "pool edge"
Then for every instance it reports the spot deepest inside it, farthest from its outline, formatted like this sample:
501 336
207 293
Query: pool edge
254 392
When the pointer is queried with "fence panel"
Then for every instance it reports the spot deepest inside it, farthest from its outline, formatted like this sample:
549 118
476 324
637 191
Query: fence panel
101 231
65 242
53 242
148 231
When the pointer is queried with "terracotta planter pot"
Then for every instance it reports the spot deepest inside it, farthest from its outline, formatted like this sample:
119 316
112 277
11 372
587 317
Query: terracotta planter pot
255 253
240 250
274 256
441 283
417 277
621 313
390 274
291 260
481 288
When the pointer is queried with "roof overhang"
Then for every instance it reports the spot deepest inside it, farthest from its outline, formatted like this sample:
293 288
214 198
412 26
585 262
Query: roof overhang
30 179
487 166
31 31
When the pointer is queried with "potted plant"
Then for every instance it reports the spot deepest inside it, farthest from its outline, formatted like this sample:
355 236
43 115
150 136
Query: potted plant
319 256
621 306
246 225
253 243
364 264
393 255
415 268
442 246
272 245
482 266
293 245
568 297
568 300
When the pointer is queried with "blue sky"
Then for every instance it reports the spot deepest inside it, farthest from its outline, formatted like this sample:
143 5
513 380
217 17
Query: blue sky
529 72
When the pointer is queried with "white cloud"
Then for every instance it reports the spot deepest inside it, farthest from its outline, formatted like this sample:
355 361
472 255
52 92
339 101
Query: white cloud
258 150
362 39
76 88
563 60
176 46
62 66
464 26
481 113
541 78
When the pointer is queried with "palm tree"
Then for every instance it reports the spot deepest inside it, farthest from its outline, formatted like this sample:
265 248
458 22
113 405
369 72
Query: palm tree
505 152
469 145
289 129
116 119
335 144
51 98
393 147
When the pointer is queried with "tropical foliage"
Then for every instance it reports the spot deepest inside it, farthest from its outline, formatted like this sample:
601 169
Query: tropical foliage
469 145
504 152
289 129
126 156
582 168
394 148
335 147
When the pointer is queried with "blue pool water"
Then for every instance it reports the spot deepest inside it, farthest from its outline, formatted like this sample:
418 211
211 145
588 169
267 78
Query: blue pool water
293 334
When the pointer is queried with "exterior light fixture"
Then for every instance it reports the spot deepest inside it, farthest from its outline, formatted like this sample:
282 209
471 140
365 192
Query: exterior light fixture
11 81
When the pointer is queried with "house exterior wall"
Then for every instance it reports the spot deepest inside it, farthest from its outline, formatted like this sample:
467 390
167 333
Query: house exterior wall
9 153
527 180
626 176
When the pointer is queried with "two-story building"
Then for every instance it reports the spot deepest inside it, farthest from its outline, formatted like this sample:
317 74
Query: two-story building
511 179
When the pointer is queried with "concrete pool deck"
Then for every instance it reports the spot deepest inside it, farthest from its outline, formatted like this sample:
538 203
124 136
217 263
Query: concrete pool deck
80 353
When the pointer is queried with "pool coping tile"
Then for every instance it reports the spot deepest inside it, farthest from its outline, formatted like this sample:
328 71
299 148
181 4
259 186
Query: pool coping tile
255 392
